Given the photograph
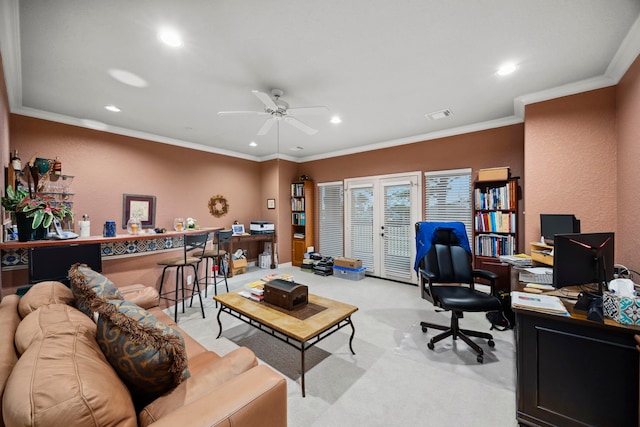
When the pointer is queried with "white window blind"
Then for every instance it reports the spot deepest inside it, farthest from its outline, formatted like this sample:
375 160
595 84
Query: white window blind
331 219
448 197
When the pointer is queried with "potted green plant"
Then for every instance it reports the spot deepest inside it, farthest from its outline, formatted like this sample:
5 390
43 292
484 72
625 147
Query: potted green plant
41 209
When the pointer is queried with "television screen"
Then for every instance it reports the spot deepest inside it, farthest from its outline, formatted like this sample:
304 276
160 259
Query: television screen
580 259
53 262
552 224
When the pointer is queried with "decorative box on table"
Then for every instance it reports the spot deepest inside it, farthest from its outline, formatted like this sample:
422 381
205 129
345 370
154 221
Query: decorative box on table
625 310
285 294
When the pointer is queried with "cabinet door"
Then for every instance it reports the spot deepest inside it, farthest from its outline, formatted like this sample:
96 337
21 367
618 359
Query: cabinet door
503 270
298 248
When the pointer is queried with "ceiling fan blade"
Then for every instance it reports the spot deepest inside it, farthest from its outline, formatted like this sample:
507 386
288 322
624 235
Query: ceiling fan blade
302 126
230 113
307 111
266 127
266 99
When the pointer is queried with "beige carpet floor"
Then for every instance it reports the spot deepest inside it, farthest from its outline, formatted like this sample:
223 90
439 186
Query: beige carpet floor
393 379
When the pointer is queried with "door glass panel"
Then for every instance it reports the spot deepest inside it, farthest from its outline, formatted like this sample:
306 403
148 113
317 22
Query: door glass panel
362 225
397 231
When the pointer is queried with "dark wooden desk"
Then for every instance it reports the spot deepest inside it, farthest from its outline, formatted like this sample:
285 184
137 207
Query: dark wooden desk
238 241
575 372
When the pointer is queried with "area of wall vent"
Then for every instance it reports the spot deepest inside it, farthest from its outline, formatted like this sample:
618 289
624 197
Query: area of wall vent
437 115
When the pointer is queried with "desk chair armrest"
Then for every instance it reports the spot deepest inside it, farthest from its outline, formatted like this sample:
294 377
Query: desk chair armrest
489 276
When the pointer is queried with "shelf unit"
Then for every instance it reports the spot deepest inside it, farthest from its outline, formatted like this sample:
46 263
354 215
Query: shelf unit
495 230
302 236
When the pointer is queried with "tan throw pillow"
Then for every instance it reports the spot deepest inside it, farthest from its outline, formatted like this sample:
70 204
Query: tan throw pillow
148 355
44 293
87 284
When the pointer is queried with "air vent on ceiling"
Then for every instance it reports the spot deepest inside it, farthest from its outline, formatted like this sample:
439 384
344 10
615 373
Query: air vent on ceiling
436 115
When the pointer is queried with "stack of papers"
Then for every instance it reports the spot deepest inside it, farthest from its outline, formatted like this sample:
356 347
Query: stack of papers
520 260
543 303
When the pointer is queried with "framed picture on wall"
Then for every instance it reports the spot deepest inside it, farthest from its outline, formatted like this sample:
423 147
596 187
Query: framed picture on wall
271 203
141 207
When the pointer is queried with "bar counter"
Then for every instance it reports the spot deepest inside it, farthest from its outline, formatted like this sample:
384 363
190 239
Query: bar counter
15 253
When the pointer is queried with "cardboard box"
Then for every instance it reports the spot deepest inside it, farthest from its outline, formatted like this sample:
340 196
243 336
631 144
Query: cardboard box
238 266
347 262
494 174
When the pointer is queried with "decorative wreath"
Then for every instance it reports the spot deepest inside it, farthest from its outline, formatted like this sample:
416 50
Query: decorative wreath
218 206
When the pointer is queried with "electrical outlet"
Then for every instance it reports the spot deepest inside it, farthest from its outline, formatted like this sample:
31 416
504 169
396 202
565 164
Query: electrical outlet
189 279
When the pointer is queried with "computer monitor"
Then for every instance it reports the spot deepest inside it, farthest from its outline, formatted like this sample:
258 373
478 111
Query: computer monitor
581 259
552 224
54 262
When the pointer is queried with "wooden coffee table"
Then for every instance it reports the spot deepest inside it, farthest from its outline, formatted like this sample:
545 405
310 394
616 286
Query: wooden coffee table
301 328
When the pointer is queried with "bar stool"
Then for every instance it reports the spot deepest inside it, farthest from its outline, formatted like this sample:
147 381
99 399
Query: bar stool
217 256
194 246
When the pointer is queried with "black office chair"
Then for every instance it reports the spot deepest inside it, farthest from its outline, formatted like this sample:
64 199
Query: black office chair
217 256
194 246
446 262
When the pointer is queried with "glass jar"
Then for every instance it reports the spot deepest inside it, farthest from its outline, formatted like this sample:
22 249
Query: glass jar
178 224
134 226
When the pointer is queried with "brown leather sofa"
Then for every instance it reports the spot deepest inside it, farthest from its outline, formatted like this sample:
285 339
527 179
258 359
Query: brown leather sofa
53 373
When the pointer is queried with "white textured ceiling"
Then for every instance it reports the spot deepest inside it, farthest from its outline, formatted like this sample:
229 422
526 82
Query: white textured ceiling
379 64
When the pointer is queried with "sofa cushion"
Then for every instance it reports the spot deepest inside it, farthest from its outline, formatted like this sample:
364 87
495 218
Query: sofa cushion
148 355
87 284
63 379
34 326
9 319
215 371
141 295
44 293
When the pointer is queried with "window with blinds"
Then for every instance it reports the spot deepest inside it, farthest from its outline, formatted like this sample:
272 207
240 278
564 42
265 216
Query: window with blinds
448 197
331 218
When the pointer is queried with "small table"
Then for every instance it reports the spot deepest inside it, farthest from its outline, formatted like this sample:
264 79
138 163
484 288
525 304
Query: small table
301 328
243 239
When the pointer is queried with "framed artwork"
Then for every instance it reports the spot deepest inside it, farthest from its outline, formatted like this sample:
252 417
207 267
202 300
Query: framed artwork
141 207
237 229
271 203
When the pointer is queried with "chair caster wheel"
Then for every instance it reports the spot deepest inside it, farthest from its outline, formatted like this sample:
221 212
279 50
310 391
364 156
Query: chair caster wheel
424 329
430 345
480 358
491 343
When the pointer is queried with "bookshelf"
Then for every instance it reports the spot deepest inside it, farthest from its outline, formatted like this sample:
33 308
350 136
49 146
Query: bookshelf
301 220
495 216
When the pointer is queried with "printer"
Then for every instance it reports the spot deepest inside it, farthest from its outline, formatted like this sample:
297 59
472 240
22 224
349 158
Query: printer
262 227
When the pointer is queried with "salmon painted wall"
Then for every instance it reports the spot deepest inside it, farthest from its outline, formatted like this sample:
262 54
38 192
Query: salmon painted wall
476 150
4 120
570 161
628 125
106 166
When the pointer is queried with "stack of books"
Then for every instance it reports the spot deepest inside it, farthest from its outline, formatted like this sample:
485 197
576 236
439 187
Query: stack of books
254 290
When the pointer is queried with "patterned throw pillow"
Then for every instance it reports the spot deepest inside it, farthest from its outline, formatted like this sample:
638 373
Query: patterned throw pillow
87 284
148 355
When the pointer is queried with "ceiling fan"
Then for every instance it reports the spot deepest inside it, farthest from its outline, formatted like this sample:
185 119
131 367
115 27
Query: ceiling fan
279 110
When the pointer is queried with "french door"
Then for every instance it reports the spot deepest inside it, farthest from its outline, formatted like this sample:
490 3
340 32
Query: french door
380 213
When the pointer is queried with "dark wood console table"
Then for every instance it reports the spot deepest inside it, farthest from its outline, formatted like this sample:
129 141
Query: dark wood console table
575 372
238 241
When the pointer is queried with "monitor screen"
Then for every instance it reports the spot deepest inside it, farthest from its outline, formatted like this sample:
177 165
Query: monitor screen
552 224
54 262
580 259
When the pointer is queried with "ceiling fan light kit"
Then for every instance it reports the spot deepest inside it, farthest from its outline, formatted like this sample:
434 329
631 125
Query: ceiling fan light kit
279 109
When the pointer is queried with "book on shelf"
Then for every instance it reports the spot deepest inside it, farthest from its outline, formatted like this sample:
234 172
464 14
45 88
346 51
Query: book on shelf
538 302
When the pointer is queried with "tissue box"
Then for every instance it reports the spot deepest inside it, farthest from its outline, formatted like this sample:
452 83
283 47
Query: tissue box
625 310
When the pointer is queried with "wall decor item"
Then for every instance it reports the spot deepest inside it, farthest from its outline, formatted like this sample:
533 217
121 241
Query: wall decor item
271 203
143 208
218 206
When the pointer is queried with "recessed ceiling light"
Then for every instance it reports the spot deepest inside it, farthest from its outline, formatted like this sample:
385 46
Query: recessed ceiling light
170 37
253 144
127 78
506 69
112 108
335 120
